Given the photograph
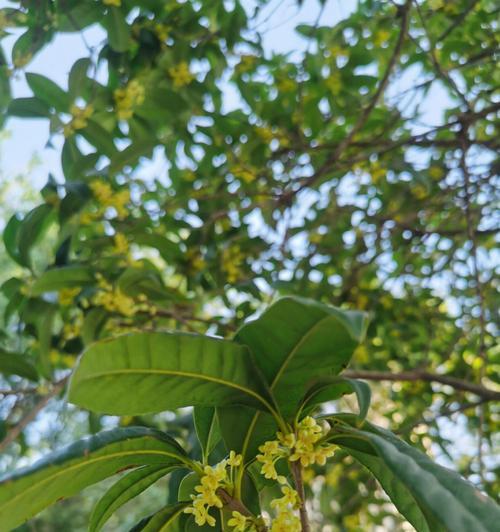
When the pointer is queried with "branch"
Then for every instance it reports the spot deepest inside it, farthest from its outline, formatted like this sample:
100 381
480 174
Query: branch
31 415
365 113
296 469
420 375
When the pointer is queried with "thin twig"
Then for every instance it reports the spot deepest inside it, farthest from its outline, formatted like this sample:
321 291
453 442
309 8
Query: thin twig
425 376
14 432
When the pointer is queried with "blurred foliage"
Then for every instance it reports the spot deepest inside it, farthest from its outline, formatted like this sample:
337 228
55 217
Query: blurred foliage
324 178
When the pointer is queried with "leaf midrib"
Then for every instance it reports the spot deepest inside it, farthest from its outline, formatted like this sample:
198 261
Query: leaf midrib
177 373
90 461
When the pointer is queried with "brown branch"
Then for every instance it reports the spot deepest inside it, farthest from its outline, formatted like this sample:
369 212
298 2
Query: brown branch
296 469
425 376
14 432
235 505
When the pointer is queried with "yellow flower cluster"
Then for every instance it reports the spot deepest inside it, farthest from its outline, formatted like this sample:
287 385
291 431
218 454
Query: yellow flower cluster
334 83
232 259
381 37
436 172
265 133
285 85
56 357
162 31
195 260
107 197
303 445
181 75
67 296
121 244
238 521
338 52
247 62
128 98
114 3
246 174
113 299
79 119
214 477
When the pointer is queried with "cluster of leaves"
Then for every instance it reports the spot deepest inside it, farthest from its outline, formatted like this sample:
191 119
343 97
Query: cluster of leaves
321 181
273 374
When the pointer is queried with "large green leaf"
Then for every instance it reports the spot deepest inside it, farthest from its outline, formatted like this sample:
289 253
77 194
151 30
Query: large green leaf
297 340
399 494
447 500
58 278
64 473
128 487
14 364
165 371
168 519
294 341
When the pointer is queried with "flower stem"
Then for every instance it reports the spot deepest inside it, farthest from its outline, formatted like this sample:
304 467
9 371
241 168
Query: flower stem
296 469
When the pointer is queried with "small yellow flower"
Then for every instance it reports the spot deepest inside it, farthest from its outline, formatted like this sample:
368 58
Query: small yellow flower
232 259
121 244
436 172
334 83
285 85
67 296
238 522
234 459
181 75
128 98
381 37
248 175
114 3
247 62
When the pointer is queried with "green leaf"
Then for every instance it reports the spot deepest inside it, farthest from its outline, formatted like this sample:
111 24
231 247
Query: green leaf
10 238
58 278
207 429
131 154
169 519
31 228
125 489
166 371
14 364
92 324
118 30
28 108
98 137
49 92
296 339
169 251
66 472
395 489
443 496
78 76
293 341
331 388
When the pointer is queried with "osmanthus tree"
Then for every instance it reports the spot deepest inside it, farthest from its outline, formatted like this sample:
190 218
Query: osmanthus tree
258 393
359 171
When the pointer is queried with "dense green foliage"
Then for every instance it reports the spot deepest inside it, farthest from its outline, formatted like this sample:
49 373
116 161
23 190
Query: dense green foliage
175 369
202 176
